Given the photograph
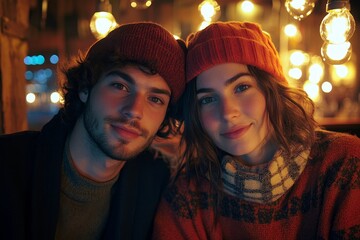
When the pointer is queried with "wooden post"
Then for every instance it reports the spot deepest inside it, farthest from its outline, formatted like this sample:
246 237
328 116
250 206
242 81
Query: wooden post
13 49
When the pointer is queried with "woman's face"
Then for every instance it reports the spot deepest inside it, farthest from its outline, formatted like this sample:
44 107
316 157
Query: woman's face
233 109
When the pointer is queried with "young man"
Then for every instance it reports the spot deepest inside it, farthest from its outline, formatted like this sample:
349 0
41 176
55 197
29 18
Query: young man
89 173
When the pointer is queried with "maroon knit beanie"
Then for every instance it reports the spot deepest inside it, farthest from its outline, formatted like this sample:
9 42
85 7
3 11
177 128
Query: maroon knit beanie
147 43
236 42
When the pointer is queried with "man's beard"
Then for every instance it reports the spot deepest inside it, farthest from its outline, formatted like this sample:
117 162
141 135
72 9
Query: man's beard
99 140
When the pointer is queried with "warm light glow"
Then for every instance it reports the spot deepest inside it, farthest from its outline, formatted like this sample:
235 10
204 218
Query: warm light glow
298 58
341 71
30 97
299 9
210 10
247 6
290 30
295 73
336 53
102 23
344 74
312 90
326 87
203 25
316 72
337 26
55 97
141 4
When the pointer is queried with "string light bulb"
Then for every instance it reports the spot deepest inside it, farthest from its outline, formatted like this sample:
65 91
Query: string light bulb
210 10
140 4
336 53
299 9
336 29
338 25
102 22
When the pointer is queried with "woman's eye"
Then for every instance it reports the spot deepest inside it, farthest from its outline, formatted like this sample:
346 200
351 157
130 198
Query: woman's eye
206 100
156 100
241 88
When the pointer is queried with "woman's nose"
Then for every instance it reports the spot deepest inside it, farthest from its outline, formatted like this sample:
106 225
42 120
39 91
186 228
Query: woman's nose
229 108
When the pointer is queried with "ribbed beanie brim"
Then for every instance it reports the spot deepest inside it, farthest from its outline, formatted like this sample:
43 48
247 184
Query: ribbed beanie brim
236 42
146 42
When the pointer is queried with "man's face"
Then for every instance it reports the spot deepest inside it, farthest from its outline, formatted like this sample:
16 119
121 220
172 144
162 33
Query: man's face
124 111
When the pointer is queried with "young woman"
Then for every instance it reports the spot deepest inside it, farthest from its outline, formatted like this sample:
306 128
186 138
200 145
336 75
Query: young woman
256 164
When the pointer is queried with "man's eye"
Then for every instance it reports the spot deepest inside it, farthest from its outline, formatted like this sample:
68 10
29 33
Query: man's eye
241 88
119 86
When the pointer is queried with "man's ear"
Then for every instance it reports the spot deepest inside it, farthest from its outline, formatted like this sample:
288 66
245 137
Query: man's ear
83 95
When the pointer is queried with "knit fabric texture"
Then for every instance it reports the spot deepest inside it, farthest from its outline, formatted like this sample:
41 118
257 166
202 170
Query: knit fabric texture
84 203
323 203
232 42
265 183
148 43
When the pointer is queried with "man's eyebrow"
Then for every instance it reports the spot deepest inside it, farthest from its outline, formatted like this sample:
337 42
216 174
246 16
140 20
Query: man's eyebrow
227 82
121 74
130 80
160 91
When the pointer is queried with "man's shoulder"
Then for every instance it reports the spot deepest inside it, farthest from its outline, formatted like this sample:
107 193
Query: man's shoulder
18 139
149 163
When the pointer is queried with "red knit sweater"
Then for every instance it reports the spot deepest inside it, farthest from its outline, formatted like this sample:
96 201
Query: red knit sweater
324 203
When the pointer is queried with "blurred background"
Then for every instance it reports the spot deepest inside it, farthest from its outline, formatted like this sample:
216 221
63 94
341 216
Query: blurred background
38 36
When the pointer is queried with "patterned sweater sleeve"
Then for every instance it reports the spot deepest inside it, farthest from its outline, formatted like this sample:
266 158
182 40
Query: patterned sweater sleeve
340 218
178 216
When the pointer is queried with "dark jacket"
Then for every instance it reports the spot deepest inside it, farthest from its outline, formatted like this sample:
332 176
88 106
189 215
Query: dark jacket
30 167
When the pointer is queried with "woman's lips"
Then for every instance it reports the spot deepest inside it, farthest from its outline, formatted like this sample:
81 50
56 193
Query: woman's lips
236 132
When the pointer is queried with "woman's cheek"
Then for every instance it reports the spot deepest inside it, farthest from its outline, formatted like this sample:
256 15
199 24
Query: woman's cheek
208 120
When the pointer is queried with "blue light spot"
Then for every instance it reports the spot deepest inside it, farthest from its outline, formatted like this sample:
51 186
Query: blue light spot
54 59
40 59
28 60
48 72
29 75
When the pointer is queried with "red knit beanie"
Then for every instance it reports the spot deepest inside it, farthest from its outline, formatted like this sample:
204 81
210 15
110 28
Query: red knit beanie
236 42
147 43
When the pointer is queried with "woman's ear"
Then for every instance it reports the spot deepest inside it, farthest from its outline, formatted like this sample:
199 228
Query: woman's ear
83 95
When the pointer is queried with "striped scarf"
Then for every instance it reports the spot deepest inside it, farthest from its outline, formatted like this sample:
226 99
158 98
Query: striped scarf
265 183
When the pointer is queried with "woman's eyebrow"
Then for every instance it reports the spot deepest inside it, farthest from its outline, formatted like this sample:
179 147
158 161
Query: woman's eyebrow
236 77
227 82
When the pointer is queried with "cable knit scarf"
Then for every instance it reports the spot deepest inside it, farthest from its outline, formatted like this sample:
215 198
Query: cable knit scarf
265 183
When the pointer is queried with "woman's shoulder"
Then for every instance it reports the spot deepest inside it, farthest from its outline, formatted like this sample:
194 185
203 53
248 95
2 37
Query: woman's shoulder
336 153
190 182
338 142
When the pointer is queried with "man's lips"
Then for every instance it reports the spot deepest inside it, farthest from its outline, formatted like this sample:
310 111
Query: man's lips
127 132
235 132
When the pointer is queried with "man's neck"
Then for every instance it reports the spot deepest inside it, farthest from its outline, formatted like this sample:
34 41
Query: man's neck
90 161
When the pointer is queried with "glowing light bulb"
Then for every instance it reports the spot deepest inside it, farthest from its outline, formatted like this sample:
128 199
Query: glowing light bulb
326 87
247 6
337 26
312 89
102 22
299 9
336 53
295 73
210 10
290 30
30 97
140 4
